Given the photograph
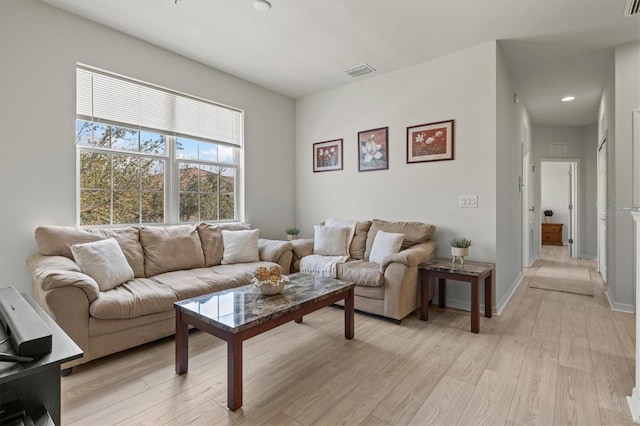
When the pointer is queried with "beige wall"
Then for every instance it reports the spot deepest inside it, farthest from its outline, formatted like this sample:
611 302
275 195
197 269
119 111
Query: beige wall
40 46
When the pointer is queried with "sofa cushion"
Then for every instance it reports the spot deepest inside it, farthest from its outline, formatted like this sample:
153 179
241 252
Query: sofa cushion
360 272
240 246
103 261
359 242
170 248
212 247
330 240
414 233
384 244
56 240
135 298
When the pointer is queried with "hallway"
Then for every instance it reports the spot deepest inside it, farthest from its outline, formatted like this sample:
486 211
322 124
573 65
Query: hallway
590 347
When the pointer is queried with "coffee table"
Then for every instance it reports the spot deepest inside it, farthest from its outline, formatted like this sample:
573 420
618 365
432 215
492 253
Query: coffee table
237 314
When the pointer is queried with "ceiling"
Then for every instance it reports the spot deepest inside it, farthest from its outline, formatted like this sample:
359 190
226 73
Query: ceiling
299 47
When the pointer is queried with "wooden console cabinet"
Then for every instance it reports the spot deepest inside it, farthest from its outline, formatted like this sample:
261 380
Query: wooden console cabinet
552 234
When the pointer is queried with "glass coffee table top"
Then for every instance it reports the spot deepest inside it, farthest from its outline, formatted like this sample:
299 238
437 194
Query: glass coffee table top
239 308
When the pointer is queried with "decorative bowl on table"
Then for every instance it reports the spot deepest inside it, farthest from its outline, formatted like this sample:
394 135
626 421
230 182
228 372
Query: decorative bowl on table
269 287
270 281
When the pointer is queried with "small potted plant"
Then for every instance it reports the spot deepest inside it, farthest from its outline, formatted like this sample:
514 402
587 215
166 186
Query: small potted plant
547 215
459 248
291 233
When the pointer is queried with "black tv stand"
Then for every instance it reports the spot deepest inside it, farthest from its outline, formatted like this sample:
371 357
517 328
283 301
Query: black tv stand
37 383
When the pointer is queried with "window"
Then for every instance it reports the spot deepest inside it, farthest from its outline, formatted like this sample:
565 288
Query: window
150 155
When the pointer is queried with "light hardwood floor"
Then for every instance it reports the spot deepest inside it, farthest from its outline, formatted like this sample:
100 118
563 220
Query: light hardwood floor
549 358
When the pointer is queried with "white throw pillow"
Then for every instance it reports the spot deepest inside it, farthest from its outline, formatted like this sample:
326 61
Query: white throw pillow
240 246
384 244
103 261
330 241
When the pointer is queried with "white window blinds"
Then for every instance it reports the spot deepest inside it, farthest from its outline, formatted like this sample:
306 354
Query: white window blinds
106 97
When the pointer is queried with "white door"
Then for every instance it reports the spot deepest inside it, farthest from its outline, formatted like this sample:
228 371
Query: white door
570 230
527 212
602 210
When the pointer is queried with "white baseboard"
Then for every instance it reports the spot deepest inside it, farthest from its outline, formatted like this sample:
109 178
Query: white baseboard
588 257
502 303
620 307
532 259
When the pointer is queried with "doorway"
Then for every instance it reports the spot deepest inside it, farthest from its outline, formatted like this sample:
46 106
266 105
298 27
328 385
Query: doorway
528 204
559 192
602 207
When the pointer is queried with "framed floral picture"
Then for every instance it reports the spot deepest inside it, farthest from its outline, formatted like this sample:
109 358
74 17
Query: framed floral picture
327 156
373 146
430 142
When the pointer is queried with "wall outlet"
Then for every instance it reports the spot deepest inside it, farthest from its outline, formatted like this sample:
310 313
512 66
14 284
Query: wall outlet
468 201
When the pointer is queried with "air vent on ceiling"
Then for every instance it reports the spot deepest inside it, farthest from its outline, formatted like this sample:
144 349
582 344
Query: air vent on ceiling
632 8
363 69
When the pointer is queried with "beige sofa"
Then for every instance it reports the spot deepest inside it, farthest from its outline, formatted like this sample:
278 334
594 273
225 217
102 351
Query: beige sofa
170 263
391 288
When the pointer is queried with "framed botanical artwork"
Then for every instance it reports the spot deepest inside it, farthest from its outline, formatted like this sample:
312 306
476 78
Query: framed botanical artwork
373 146
430 142
327 156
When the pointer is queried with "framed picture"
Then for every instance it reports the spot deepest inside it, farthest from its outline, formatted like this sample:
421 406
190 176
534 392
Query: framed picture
430 142
373 146
327 156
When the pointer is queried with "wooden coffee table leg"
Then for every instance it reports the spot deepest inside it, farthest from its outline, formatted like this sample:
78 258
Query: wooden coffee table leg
298 320
488 308
349 320
234 372
475 306
182 344
442 292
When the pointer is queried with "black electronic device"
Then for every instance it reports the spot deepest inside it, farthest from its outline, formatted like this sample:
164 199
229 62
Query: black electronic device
30 336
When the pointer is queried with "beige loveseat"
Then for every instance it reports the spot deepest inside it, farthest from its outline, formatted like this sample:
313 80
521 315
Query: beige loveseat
169 263
391 288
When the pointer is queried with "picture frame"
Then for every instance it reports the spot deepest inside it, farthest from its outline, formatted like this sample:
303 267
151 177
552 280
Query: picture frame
327 156
430 142
373 149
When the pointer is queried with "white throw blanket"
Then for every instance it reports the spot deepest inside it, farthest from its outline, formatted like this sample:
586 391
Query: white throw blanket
321 266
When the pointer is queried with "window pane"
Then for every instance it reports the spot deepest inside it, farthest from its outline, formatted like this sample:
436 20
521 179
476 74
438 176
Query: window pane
153 207
227 207
188 207
189 177
95 207
124 139
92 134
208 179
126 207
208 151
153 143
209 206
95 171
186 149
152 175
226 154
126 173
227 179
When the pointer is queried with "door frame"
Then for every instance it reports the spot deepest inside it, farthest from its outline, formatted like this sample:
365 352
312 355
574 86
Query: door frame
602 205
577 199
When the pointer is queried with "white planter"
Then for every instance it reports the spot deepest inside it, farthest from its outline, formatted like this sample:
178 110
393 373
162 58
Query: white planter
460 251
547 219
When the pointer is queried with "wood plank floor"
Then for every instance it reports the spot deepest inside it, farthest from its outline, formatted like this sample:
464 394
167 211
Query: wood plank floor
549 358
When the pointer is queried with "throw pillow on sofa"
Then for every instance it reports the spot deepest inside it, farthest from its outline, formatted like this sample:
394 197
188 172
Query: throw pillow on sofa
384 244
240 246
103 261
170 248
330 241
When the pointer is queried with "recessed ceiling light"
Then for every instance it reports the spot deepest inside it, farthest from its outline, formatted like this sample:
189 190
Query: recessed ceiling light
262 5
568 98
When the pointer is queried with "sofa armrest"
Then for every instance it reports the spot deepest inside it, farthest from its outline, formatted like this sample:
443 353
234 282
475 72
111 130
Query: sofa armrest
412 256
276 251
51 272
301 248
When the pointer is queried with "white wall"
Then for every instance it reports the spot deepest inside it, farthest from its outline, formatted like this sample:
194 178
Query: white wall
40 47
437 90
589 207
510 118
554 192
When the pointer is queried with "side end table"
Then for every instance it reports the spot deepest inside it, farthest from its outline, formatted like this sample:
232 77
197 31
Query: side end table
472 272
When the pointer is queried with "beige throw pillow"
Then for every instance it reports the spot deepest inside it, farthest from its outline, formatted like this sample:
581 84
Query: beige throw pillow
384 244
103 261
240 246
330 241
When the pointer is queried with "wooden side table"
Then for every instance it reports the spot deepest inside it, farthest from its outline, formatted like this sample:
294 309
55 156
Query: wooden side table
473 273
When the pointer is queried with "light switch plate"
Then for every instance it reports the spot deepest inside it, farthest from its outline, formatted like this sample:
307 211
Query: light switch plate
468 201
